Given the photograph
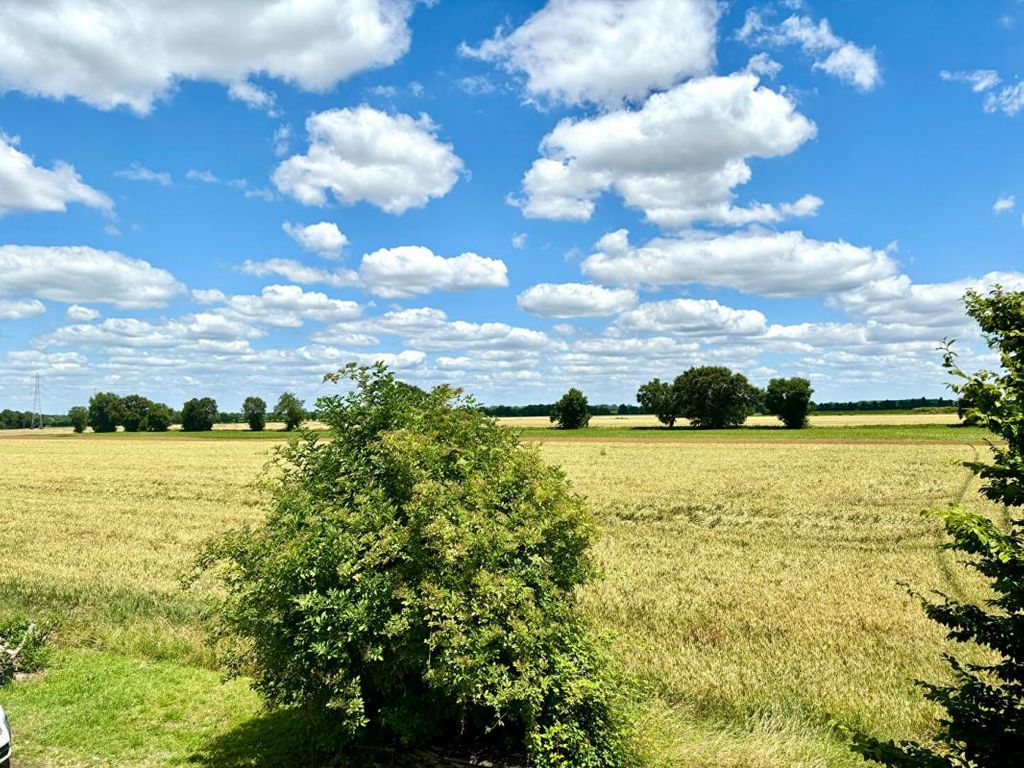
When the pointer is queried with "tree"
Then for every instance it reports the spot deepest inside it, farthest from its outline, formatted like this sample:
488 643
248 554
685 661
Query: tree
713 397
417 577
79 418
105 412
572 411
199 414
134 409
790 400
255 411
289 409
984 704
660 398
158 419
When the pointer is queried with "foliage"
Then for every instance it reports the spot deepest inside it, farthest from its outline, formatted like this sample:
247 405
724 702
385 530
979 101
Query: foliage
289 409
199 414
255 411
134 409
984 705
416 579
105 412
158 418
571 412
790 400
79 417
660 398
713 397
33 654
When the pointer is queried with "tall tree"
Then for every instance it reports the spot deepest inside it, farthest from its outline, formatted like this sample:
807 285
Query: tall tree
199 414
290 410
790 400
134 409
983 724
105 412
158 419
79 418
572 411
660 398
713 397
254 409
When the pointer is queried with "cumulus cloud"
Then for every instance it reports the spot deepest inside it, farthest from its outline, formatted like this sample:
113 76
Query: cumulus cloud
840 58
25 186
287 306
138 172
677 158
704 316
980 80
81 314
1009 99
392 161
75 274
324 238
779 264
19 309
1003 204
575 300
413 269
111 55
606 51
297 272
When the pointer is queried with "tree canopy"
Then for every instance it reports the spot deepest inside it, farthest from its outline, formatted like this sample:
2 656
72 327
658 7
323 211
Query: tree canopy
713 397
571 412
790 400
254 409
199 414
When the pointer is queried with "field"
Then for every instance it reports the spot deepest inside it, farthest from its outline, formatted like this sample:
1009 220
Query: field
750 587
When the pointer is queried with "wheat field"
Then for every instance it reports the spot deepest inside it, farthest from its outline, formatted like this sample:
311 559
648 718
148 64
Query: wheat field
750 591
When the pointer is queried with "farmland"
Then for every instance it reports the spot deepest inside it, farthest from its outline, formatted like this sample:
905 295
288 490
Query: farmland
750 586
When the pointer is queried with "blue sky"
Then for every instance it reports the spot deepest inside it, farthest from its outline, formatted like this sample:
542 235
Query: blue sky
516 197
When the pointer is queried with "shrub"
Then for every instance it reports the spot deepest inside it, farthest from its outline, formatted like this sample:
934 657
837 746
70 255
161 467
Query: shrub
415 579
199 414
790 400
713 397
33 654
158 419
289 409
984 703
254 409
105 412
660 398
79 418
572 411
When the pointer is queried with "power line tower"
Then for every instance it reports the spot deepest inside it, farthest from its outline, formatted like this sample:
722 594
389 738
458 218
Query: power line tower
37 403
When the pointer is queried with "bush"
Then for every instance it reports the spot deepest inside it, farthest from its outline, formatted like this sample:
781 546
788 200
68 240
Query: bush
79 418
415 580
105 412
790 400
661 399
34 654
713 397
158 419
254 409
572 411
289 409
199 414
983 723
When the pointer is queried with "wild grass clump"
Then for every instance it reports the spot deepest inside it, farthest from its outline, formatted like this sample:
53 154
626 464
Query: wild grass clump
415 581
23 648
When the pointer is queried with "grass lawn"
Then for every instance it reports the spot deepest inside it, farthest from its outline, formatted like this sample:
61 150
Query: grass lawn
750 590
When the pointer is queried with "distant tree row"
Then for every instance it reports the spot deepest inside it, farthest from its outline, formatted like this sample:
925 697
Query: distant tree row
134 413
887 405
544 409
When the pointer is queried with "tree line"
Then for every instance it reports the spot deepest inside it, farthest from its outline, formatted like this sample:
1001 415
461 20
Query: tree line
709 397
134 413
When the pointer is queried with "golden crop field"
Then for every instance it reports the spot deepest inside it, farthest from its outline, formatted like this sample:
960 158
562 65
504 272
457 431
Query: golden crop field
750 590
820 420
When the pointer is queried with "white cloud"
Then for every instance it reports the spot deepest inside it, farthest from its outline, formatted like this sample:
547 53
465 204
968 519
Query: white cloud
412 269
75 274
394 162
19 309
24 186
779 264
519 241
575 300
606 51
286 306
253 96
81 314
138 172
207 177
685 316
297 272
850 63
1003 204
1009 100
110 55
980 80
677 158
324 238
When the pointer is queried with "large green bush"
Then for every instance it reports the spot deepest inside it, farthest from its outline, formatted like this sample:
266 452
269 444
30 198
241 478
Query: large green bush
790 400
415 581
713 397
572 411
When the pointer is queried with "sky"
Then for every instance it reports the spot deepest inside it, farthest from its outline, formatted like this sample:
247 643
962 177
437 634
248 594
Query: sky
514 197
